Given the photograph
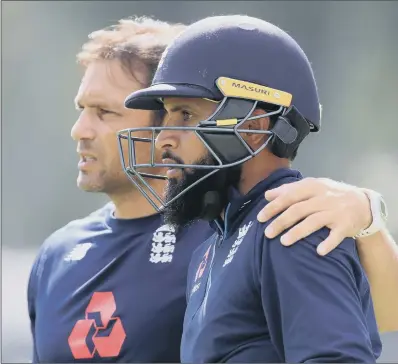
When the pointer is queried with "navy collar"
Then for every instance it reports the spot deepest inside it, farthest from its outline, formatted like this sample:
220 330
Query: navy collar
238 206
138 225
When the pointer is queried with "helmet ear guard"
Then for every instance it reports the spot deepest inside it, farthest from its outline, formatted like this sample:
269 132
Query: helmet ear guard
289 131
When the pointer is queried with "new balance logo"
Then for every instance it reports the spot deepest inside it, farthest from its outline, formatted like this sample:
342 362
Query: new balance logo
78 252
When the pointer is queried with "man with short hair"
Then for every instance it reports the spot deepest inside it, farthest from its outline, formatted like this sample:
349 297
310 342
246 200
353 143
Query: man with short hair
111 287
234 123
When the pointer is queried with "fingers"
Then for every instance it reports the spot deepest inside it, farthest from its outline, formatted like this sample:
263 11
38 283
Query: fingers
285 196
299 187
305 228
275 192
334 239
310 225
294 214
313 204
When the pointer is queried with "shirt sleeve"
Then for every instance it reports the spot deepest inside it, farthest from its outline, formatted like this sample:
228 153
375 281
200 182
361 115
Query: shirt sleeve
318 309
33 285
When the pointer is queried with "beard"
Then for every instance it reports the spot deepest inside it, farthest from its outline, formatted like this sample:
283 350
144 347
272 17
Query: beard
204 201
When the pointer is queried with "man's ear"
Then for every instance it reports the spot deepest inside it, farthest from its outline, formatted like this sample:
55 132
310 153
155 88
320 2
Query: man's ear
253 139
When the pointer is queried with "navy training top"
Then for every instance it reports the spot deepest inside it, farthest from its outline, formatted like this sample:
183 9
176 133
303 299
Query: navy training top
111 290
250 299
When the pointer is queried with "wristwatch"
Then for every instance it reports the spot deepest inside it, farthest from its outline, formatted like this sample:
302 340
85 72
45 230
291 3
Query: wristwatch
379 211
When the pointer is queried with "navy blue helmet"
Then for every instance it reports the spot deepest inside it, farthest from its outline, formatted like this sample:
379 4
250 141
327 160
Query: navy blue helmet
238 47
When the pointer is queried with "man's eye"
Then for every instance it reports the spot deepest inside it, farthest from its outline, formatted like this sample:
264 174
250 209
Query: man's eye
102 112
187 116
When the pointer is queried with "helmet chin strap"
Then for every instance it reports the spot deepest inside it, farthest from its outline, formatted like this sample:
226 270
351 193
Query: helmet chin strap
211 206
214 201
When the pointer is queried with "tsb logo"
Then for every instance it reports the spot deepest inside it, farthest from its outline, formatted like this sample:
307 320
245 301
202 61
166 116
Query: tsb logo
104 332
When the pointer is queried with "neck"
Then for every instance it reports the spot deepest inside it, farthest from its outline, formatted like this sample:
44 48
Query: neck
253 172
257 169
132 204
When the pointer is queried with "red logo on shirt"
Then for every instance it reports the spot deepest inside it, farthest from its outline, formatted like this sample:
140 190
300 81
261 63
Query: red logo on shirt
107 332
202 265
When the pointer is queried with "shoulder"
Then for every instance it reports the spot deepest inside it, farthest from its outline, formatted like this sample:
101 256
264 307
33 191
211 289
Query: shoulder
92 222
279 265
346 250
301 259
306 246
65 238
